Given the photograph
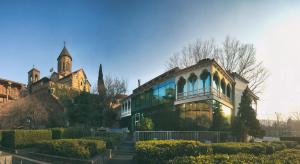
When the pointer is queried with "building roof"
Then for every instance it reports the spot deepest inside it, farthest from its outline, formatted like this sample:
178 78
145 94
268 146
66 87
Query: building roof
236 75
33 69
44 79
12 82
126 98
209 62
72 73
64 52
156 80
252 93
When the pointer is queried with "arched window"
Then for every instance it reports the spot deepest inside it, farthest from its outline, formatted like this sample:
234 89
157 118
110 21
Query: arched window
216 80
223 86
64 68
181 86
36 78
228 90
67 67
205 81
193 84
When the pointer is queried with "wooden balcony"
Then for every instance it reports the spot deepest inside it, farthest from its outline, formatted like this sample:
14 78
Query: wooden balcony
203 94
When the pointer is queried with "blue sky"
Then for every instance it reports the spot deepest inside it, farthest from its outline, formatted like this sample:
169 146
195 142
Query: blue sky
134 38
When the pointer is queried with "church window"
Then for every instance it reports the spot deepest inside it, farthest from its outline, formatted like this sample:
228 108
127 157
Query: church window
67 67
63 66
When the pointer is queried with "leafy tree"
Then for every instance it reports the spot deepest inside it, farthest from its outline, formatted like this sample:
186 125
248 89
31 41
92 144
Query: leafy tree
97 109
146 124
239 129
246 122
110 118
86 110
219 121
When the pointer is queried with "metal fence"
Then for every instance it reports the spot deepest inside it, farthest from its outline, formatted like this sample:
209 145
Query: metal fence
203 136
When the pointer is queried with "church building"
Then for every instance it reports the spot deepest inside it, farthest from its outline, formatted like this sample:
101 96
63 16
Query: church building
63 78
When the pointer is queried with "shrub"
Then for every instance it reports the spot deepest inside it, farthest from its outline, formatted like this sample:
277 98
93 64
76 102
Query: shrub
24 138
160 150
76 148
288 144
8 139
285 156
234 148
146 124
110 141
297 139
62 133
57 133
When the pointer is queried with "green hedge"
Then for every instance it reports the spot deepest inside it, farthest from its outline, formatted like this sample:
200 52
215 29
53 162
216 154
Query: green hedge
24 138
234 148
111 141
62 133
288 144
76 148
286 156
161 151
297 139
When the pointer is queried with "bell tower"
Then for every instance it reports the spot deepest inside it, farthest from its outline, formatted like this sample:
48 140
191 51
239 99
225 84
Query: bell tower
33 76
64 62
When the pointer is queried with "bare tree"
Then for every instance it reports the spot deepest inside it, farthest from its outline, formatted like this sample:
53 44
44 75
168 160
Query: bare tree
114 88
31 116
233 56
295 116
37 116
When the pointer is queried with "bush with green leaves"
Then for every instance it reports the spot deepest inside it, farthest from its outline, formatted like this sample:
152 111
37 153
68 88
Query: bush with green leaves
286 156
297 139
146 124
24 138
288 144
111 141
160 151
76 148
61 133
238 147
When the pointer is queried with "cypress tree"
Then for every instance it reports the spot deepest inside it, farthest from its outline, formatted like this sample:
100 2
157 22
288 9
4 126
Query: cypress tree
101 86
246 117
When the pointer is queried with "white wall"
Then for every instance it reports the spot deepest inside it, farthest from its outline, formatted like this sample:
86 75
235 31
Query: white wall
239 88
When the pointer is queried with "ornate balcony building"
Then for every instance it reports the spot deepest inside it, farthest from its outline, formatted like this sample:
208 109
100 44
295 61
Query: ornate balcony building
193 91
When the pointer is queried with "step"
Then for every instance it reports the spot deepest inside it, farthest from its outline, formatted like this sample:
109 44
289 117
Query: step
123 153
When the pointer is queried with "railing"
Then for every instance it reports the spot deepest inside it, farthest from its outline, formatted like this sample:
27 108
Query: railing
204 136
124 114
201 93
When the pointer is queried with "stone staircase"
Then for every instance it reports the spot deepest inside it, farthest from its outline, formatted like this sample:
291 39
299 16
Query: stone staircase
124 153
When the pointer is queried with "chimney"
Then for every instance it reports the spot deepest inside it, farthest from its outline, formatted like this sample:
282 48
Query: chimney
139 82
